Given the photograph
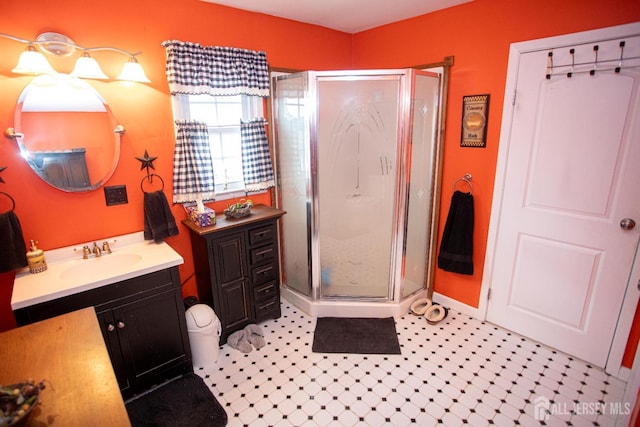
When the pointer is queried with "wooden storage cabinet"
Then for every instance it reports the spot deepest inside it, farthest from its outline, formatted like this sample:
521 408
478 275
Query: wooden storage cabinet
238 268
143 324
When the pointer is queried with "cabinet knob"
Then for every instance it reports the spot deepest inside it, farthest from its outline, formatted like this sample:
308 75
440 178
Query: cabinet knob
120 324
110 327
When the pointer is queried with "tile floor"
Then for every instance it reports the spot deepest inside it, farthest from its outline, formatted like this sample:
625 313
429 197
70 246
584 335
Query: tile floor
459 372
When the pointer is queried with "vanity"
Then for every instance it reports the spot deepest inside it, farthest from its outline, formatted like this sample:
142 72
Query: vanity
137 297
237 263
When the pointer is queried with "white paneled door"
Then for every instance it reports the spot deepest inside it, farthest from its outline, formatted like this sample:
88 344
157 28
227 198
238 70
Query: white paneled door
562 241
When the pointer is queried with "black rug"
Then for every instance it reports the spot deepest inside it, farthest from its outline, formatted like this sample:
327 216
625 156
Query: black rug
186 401
356 335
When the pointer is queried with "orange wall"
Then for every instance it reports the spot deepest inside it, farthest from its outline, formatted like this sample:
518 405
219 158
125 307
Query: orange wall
477 34
59 219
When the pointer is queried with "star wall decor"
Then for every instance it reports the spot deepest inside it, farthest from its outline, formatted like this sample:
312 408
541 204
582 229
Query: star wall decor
1 169
147 161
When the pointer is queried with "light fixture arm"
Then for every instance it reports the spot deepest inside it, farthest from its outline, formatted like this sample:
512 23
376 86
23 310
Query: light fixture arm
41 43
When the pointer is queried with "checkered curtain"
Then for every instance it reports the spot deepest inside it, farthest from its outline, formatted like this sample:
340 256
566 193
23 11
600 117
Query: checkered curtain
256 159
192 164
215 70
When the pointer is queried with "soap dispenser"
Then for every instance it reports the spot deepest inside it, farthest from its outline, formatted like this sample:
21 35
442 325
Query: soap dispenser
35 258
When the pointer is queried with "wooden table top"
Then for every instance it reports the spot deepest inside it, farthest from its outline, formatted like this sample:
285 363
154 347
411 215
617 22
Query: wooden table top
68 352
258 213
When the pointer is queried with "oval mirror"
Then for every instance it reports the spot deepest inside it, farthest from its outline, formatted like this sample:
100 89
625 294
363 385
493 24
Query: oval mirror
67 133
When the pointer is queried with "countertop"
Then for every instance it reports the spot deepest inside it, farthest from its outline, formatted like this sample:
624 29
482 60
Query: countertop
68 273
258 213
68 352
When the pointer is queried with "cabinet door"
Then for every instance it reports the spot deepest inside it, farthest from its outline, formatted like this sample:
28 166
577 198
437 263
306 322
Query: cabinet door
229 258
112 341
235 302
230 267
151 337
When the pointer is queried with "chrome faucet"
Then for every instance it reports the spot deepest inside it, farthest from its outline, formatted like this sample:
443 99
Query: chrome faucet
105 247
86 252
96 250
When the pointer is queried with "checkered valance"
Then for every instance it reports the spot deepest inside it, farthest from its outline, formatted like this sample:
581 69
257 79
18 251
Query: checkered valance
256 158
215 70
192 164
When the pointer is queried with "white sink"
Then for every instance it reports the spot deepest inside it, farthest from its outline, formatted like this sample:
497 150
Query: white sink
68 273
101 265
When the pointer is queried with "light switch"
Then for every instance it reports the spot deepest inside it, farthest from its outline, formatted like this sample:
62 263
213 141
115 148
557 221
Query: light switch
116 195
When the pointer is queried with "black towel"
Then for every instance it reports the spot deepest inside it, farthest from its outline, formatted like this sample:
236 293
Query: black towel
456 248
13 252
159 222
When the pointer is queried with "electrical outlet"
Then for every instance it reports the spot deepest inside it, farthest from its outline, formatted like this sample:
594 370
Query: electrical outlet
116 195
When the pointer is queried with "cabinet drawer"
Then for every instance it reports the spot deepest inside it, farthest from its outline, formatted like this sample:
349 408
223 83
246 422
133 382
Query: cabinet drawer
263 274
267 290
262 235
267 308
262 255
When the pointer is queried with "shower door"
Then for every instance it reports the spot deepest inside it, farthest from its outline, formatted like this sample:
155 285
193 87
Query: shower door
357 140
294 179
357 174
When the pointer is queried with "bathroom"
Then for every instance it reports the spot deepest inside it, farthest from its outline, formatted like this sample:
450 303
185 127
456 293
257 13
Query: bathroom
477 34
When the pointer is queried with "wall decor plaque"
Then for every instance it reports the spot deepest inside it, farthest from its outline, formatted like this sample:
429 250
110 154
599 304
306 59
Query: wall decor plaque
475 111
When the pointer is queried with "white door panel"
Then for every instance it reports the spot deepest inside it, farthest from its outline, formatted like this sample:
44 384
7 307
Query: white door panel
561 261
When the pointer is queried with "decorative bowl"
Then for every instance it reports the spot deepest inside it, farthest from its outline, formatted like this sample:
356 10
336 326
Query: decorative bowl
239 209
17 402
235 211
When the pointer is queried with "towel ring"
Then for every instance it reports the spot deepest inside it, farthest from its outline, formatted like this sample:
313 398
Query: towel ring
150 179
466 179
13 202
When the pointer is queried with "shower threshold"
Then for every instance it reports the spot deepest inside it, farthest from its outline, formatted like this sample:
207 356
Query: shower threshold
336 307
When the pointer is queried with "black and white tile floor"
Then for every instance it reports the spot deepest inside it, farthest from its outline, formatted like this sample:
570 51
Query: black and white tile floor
459 372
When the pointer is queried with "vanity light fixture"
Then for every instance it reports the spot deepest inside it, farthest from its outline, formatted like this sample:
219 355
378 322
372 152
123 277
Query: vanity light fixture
33 62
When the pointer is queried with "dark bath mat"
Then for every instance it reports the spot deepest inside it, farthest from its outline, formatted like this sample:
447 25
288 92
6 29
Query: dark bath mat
186 401
356 335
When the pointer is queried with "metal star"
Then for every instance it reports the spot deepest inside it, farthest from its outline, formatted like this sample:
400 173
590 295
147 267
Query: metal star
147 161
1 169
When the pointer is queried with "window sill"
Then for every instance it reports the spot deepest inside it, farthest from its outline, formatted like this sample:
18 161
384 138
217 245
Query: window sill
235 194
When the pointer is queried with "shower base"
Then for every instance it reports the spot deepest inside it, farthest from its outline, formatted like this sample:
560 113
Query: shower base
350 308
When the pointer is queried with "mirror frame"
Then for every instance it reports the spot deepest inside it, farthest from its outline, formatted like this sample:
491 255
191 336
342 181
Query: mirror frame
19 136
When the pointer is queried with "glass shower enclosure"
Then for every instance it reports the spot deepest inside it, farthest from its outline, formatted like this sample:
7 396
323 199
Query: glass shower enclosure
357 174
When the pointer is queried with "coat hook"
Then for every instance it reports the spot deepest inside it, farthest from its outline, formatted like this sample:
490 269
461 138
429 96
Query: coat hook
572 51
595 63
619 67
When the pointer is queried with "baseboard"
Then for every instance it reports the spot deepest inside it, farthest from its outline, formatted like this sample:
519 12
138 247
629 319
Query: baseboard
457 306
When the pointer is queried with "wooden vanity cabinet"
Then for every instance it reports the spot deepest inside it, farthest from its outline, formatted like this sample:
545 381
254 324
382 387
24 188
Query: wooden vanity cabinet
143 324
237 267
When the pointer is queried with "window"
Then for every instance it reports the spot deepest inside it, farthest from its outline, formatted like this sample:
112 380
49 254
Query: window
222 114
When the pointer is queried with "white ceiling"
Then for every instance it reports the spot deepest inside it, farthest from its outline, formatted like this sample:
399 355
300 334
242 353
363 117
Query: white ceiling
350 16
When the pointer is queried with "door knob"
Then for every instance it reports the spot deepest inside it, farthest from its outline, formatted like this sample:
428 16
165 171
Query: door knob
627 224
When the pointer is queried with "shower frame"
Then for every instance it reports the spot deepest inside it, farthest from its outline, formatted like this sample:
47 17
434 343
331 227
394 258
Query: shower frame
395 294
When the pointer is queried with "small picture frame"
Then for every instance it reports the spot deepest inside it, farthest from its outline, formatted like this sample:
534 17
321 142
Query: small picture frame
475 113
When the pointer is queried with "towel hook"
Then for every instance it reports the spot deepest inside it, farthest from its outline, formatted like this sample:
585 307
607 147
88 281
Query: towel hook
466 179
